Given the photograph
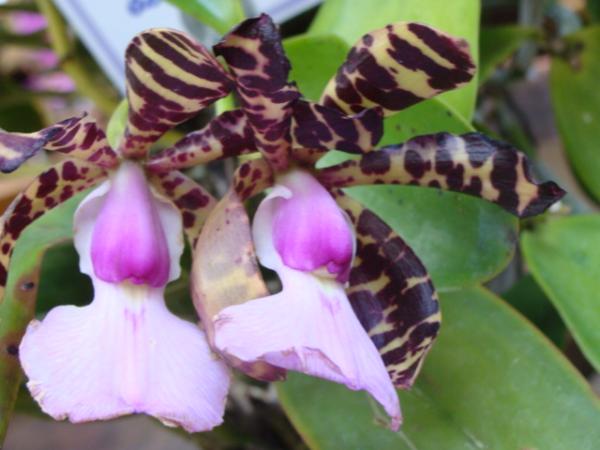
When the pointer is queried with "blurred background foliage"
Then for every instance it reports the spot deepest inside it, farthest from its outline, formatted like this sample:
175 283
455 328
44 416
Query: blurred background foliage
518 356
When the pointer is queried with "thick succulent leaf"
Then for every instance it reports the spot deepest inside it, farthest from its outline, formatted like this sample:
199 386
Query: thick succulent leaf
321 128
227 135
192 200
256 58
170 78
563 256
51 188
19 303
218 14
314 60
576 102
79 137
472 164
346 18
225 272
446 229
391 294
398 66
491 381
252 177
497 43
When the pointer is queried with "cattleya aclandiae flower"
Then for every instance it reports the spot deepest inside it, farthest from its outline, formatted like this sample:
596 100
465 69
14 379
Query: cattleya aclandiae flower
357 306
125 352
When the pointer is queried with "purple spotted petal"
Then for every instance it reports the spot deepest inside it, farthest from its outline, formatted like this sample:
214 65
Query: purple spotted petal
129 241
310 230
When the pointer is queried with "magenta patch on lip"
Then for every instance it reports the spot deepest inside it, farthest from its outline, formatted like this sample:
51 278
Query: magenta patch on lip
310 230
128 242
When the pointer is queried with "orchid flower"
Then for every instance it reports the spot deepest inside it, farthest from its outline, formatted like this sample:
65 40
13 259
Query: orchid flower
357 306
125 352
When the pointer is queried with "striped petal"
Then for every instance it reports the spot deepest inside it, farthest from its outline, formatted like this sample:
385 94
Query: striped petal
226 135
397 66
170 78
255 56
79 137
318 127
193 202
471 163
392 295
51 188
225 272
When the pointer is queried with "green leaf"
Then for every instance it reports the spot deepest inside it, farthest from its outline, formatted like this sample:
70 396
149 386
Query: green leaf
61 281
18 306
315 59
218 14
492 381
593 7
497 43
527 297
117 123
563 255
350 19
461 240
576 101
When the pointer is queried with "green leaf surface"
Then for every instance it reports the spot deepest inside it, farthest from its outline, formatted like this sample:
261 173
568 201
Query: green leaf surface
593 7
563 255
492 381
117 123
61 281
576 101
18 306
462 240
314 59
497 43
218 14
350 19
527 297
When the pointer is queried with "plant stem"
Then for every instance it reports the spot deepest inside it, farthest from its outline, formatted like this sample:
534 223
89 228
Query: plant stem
62 45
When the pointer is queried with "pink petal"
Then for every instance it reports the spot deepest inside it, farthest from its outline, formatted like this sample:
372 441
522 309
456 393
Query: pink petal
309 327
134 236
24 22
52 82
124 353
310 230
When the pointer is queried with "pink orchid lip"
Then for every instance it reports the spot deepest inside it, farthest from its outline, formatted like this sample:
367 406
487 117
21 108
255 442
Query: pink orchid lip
128 241
309 326
310 231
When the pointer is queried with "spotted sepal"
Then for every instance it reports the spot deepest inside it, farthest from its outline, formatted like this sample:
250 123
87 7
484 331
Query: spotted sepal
51 188
397 66
170 78
256 58
252 177
471 163
192 200
226 135
391 294
79 137
225 272
322 128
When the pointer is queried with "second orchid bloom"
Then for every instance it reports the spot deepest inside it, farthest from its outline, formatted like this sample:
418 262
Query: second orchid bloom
356 305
